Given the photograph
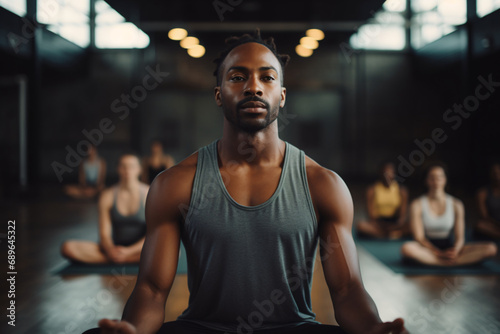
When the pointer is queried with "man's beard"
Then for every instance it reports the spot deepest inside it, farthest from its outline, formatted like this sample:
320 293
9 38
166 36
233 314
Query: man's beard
251 126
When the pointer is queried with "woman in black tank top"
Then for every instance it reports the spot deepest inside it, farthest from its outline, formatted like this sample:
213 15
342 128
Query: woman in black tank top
156 163
488 199
122 222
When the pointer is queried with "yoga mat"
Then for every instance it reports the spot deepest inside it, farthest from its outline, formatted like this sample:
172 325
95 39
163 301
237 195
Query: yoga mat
388 252
114 269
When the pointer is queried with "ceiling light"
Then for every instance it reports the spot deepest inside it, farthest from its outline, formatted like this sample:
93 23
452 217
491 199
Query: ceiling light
302 51
317 34
309 43
189 42
196 51
177 34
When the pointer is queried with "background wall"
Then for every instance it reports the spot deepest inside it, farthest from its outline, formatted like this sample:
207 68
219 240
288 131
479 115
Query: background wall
348 113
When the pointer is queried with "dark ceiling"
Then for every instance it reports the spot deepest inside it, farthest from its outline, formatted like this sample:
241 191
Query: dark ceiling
285 20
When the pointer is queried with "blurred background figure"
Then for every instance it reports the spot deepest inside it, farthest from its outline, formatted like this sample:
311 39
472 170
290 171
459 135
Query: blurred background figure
489 205
438 227
156 162
122 221
386 205
91 177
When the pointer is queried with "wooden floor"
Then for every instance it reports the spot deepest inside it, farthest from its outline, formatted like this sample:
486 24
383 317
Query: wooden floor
46 303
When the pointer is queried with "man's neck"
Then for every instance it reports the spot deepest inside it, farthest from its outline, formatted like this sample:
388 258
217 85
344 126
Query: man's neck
262 147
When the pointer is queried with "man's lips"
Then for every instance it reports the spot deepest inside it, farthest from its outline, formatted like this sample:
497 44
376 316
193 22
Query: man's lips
253 107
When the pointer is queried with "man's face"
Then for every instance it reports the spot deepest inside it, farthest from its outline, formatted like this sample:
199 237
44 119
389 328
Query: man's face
250 93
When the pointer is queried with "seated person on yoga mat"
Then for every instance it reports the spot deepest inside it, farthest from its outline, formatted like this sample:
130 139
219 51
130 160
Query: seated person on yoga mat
122 222
489 205
91 177
250 210
156 163
437 223
387 204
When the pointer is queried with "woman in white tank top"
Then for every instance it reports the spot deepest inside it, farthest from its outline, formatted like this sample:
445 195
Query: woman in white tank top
438 227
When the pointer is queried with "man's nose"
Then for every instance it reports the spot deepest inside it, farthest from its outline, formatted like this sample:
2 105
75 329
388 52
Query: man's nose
253 87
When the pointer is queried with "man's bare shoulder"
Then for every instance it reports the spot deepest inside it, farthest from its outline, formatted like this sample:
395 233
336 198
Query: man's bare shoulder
329 193
178 174
319 176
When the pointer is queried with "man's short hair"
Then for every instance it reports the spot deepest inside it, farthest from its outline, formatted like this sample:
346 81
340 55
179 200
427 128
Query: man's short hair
235 41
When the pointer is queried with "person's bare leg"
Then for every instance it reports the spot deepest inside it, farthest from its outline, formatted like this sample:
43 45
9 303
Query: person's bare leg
83 251
73 190
370 228
89 192
415 251
476 252
488 228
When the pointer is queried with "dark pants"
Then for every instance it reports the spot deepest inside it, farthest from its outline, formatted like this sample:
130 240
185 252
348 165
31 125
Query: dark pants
185 327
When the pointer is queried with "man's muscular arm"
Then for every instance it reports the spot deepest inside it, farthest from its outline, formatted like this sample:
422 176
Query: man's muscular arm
355 311
145 309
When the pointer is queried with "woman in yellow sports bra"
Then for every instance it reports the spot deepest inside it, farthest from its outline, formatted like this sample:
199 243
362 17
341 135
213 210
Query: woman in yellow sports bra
387 204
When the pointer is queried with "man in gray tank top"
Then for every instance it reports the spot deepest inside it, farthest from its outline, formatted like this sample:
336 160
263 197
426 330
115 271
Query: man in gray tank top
251 210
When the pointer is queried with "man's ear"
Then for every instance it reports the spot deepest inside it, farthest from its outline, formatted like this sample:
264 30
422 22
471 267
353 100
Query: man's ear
283 97
217 96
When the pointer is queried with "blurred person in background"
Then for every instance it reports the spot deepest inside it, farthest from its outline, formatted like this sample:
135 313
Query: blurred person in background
386 206
91 177
438 227
156 162
488 199
122 220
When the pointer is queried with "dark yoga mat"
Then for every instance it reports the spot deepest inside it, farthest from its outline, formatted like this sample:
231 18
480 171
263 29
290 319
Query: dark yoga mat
388 252
113 269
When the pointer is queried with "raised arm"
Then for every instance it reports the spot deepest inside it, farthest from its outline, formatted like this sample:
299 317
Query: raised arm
145 309
355 311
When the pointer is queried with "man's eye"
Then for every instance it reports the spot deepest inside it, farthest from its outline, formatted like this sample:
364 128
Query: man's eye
268 78
237 78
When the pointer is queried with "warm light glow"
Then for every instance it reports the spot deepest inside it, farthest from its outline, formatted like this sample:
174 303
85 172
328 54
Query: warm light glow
317 34
176 34
196 51
189 42
302 51
309 43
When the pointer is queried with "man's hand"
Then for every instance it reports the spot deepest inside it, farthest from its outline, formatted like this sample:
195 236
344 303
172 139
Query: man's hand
394 327
108 326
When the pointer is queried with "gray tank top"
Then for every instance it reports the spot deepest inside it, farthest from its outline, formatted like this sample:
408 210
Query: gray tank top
250 267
